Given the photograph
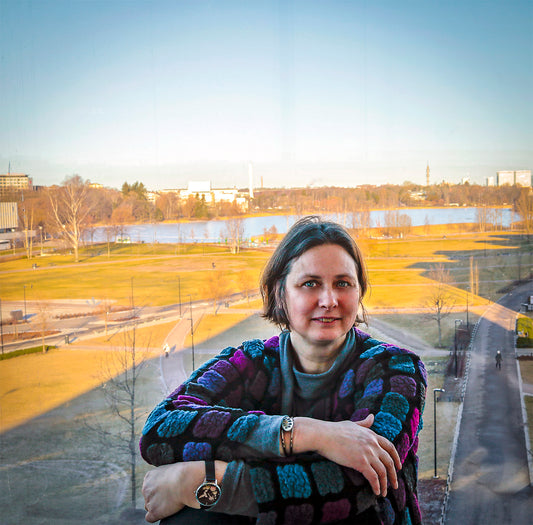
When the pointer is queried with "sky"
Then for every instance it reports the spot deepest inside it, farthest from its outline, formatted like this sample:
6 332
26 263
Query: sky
307 93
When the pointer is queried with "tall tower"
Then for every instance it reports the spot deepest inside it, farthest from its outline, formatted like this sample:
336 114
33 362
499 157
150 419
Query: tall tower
251 180
427 174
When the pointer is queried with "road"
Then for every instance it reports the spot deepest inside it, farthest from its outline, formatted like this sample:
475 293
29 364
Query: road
491 483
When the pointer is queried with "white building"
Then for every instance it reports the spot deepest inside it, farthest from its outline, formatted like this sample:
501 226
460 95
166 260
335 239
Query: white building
519 178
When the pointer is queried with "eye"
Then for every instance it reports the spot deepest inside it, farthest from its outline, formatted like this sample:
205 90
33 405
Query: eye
310 284
343 284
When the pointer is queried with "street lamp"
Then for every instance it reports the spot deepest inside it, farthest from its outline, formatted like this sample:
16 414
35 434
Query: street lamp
25 302
192 332
435 390
455 346
179 292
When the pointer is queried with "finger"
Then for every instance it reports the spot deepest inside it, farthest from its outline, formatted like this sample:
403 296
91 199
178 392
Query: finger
388 462
381 473
367 422
391 449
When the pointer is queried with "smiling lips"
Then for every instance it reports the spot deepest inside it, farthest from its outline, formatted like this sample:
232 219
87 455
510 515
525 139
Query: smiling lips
326 320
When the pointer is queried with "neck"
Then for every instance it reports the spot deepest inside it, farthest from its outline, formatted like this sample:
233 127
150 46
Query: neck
315 360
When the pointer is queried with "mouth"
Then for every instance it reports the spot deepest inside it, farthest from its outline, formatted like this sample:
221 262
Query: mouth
325 320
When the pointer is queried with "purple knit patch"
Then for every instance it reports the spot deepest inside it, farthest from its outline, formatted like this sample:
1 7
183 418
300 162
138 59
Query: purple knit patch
403 385
240 361
196 451
273 342
415 420
212 380
234 397
403 447
211 424
227 370
299 514
187 400
362 371
423 371
258 385
399 494
360 414
374 387
335 510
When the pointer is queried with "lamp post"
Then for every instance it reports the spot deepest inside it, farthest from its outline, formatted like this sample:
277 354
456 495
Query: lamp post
25 302
179 292
192 331
467 321
1 327
435 390
455 346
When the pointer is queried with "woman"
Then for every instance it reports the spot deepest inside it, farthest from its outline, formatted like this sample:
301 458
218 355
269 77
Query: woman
316 425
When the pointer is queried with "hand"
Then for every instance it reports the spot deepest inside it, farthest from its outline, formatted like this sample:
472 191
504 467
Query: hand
169 488
354 445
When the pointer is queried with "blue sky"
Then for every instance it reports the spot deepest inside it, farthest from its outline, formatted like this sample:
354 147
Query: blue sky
329 92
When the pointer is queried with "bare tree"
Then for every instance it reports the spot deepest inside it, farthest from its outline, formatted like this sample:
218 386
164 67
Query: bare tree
70 208
440 300
217 287
235 234
120 374
524 207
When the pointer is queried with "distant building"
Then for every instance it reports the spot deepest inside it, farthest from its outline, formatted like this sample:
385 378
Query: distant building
9 217
523 178
15 182
519 178
491 181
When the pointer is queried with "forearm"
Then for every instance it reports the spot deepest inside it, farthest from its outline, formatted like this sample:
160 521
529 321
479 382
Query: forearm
169 488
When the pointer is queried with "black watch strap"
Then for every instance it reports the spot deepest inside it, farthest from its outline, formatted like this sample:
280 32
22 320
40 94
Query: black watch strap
210 471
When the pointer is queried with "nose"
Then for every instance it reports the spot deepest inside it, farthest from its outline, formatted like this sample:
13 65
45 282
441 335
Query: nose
327 298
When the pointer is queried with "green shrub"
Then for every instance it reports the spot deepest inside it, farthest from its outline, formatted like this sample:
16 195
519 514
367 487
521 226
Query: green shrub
25 351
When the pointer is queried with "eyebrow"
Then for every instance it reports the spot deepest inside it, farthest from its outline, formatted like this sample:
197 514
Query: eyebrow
339 276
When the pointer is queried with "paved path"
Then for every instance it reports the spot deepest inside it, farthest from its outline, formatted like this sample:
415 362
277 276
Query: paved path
491 482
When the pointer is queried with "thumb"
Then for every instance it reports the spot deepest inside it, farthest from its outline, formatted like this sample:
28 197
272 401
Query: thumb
367 422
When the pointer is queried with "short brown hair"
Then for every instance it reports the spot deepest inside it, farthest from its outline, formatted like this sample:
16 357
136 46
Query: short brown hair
305 234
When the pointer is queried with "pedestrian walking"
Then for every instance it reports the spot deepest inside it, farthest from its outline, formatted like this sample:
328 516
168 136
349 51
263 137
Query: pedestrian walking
499 359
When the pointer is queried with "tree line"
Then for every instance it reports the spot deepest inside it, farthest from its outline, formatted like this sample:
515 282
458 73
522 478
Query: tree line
74 207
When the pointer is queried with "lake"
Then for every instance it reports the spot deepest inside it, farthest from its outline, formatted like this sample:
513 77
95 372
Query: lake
216 230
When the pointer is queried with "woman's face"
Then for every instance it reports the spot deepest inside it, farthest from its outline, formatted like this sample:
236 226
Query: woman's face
321 297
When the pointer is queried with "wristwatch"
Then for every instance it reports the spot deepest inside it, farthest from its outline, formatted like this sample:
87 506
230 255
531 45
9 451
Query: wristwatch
208 493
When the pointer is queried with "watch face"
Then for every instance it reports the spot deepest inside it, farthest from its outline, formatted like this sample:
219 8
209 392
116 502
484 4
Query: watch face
208 493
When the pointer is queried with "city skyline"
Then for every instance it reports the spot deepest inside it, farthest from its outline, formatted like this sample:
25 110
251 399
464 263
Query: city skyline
311 93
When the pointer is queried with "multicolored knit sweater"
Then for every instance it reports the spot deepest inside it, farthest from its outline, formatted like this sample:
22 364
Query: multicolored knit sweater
213 414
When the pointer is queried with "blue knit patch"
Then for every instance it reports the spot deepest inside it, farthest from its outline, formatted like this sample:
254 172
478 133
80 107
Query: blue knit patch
374 387
407 517
403 363
293 481
157 414
396 405
253 348
196 451
275 382
328 477
212 380
262 485
386 511
347 386
241 427
371 352
176 422
387 425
